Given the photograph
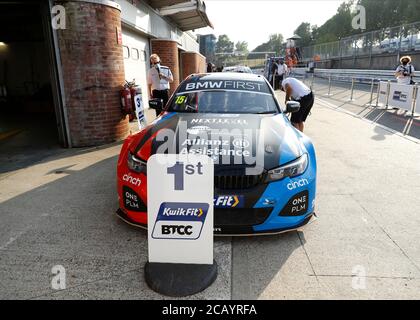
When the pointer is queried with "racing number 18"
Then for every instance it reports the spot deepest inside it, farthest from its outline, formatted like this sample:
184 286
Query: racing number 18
178 171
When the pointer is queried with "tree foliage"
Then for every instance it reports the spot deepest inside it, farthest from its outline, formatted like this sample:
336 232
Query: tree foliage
241 46
273 44
390 13
224 45
379 14
305 31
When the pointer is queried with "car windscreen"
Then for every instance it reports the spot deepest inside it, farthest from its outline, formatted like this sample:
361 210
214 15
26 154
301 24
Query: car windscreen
223 101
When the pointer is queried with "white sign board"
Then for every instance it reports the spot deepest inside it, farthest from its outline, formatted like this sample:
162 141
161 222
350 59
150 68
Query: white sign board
140 111
383 92
401 96
417 106
180 208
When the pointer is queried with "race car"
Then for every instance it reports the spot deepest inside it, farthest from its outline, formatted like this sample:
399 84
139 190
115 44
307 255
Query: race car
264 169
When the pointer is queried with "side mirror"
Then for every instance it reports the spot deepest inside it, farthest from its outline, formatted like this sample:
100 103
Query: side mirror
292 106
156 104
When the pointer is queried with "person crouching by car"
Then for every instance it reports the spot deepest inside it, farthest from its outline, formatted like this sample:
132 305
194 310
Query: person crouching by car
296 90
158 79
405 71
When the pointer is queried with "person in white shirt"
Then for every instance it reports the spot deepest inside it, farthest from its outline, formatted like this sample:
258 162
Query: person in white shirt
296 90
281 70
158 79
405 71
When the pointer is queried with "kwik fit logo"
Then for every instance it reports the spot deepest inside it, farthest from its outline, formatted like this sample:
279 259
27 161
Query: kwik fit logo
180 220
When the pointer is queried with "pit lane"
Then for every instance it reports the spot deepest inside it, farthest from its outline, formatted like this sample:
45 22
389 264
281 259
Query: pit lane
60 211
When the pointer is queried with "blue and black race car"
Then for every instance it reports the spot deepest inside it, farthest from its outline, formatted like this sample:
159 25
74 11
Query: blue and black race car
265 169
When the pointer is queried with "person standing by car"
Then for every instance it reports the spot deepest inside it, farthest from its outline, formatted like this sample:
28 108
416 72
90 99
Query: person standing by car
281 72
405 71
273 73
158 79
296 90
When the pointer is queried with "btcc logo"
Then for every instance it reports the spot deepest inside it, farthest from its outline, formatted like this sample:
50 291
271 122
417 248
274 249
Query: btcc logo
177 229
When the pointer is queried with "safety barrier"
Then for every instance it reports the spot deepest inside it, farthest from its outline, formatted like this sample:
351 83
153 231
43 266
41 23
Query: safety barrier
401 96
389 93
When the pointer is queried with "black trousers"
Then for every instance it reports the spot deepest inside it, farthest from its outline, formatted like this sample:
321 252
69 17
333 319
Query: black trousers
278 79
306 104
161 94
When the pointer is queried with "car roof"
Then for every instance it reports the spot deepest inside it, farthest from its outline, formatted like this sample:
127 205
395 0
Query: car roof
237 76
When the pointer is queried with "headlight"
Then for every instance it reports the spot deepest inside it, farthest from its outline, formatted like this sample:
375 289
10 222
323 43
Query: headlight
291 169
135 164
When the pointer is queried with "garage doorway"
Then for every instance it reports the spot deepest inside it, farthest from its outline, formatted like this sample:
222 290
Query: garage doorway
32 122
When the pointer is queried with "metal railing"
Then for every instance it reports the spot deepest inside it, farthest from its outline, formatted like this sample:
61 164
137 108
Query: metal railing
404 38
351 77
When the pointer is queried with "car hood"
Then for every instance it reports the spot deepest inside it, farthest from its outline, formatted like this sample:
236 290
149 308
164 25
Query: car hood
238 140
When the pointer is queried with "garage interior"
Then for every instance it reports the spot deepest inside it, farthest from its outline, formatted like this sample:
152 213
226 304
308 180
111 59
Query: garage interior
28 122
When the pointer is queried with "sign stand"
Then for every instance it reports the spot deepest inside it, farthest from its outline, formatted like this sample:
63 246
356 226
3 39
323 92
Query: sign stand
179 280
180 224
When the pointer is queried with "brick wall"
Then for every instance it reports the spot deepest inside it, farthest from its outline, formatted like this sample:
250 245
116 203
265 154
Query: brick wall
192 62
167 50
93 72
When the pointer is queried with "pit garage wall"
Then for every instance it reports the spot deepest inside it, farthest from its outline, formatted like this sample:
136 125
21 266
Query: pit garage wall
93 72
192 62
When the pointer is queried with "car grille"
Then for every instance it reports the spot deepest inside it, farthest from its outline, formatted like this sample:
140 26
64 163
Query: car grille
240 217
237 182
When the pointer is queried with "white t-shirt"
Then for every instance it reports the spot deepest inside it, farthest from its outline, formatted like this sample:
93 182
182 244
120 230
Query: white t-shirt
282 70
299 89
405 79
153 78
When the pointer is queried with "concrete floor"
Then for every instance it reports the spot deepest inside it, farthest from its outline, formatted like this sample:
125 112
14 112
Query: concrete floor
363 246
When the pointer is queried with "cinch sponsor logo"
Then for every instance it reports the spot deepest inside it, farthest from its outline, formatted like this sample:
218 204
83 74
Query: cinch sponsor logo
297 184
228 201
134 181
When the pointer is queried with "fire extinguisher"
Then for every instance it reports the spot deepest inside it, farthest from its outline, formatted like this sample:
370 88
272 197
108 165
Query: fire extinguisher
126 102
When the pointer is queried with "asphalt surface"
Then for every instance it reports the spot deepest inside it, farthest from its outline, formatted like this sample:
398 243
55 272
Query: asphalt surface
60 211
